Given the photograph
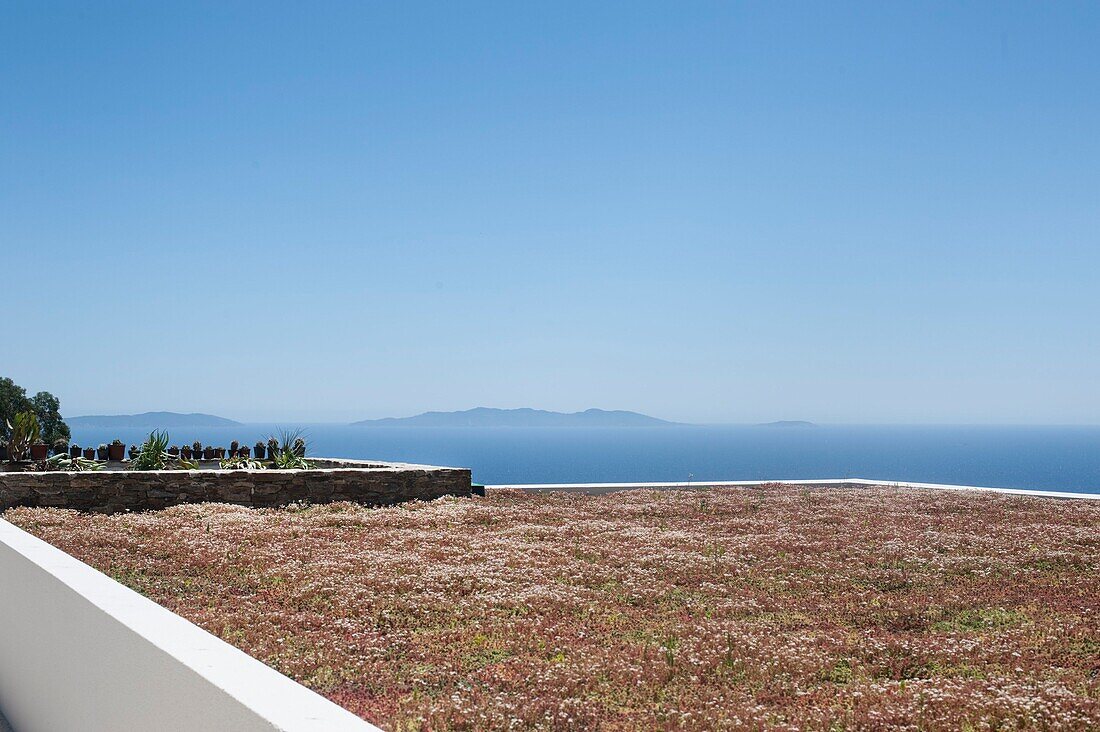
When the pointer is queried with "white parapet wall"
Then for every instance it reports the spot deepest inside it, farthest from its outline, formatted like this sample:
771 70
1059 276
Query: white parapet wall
79 651
596 489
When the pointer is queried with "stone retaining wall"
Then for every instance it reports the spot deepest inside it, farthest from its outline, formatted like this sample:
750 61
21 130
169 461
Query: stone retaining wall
114 491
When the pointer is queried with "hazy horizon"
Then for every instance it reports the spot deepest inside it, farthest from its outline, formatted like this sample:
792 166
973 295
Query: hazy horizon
730 423
856 213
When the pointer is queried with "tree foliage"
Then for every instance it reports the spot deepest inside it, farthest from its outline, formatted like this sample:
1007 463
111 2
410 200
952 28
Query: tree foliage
13 400
46 407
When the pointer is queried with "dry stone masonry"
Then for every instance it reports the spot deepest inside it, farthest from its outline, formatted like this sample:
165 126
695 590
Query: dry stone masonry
115 491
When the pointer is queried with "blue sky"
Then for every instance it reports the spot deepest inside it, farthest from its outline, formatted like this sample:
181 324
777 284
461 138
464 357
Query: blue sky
720 212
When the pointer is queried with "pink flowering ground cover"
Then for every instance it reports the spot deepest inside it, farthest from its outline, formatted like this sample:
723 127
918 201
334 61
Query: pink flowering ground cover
774 608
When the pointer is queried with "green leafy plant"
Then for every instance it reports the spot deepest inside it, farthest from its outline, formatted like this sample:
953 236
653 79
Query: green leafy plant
288 451
22 433
62 461
241 463
153 455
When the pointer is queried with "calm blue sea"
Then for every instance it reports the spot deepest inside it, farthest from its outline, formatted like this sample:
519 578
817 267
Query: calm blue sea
1046 458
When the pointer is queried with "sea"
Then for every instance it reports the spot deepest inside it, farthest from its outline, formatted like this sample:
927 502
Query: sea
1055 458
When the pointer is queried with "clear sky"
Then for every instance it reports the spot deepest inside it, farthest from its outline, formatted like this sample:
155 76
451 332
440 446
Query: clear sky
719 212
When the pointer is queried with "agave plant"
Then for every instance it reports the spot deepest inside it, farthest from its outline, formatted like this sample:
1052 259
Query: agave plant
288 451
153 455
22 433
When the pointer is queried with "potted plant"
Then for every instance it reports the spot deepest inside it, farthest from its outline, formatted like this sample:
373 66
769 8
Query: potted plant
234 449
89 453
174 450
101 451
259 448
196 449
219 453
39 451
3 449
74 451
244 452
134 450
185 452
208 453
116 450
60 446
272 448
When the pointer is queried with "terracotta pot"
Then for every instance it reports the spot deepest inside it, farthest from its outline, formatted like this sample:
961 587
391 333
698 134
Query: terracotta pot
39 451
219 452
185 453
89 453
116 452
74 451
208 453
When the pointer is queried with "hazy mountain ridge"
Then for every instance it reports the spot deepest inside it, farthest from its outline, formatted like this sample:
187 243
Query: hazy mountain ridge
150 420
525 417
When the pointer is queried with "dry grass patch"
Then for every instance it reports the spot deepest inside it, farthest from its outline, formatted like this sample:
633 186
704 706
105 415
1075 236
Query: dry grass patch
777 608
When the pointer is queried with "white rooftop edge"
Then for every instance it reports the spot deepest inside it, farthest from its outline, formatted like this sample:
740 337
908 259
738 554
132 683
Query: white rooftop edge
79 651
598 488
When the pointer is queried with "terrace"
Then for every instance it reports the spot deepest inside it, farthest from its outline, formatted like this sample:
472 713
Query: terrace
770 606
159 475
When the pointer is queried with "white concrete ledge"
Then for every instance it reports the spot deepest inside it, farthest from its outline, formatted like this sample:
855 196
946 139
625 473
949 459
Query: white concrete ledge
602 488
79 651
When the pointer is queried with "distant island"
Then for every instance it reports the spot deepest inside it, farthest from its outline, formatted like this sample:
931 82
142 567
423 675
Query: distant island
149 420
489 417
788 423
